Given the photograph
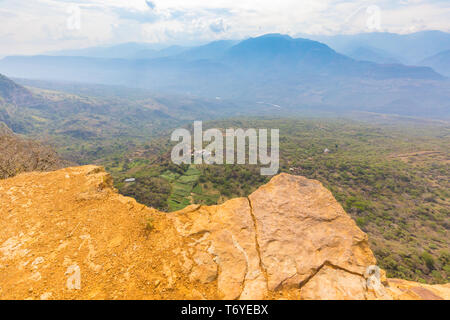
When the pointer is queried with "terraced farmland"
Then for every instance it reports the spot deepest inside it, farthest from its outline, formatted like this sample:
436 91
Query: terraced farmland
181 187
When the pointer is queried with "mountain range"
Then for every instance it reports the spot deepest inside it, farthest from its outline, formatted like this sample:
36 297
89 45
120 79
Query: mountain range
275 69
276 52
407 48
11 92
379 47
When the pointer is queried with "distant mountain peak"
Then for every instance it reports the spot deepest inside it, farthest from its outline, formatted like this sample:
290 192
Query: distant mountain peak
271 45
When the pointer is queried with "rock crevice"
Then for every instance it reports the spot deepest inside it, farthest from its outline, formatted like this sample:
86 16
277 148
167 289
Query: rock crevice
258 250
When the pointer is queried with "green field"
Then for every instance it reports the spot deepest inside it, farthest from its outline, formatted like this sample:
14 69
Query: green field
181 188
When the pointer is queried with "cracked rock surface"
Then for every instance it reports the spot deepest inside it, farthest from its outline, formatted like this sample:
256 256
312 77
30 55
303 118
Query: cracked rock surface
301 227
67 234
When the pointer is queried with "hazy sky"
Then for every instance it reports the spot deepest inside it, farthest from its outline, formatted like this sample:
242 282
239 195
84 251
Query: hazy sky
35 26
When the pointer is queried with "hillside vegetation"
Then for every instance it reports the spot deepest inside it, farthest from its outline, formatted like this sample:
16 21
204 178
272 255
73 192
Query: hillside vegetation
293 73
391 177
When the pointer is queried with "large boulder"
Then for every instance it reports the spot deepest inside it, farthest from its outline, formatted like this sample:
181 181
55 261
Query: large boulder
301 228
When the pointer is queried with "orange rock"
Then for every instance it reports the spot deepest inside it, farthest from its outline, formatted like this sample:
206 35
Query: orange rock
67 234
300 228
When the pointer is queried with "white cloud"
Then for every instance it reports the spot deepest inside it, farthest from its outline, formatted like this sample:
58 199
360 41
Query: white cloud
30 27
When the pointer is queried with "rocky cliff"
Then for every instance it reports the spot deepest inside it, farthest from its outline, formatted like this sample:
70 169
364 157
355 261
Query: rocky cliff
68 234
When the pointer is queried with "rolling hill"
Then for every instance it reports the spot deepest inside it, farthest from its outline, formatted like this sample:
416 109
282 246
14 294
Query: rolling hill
18 155
283 54
274 69
439 62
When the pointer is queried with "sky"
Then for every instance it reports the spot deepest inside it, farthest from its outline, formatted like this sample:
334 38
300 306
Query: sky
39 26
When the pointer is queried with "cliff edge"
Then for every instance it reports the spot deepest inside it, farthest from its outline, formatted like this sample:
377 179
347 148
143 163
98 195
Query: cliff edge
68 234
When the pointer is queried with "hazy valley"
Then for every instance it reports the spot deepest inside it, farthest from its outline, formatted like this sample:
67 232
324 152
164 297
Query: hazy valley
368 116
